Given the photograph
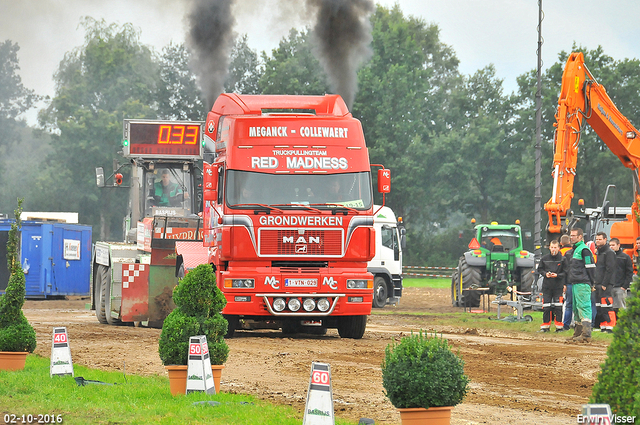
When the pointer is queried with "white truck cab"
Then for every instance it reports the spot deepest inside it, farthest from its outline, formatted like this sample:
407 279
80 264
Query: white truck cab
386 266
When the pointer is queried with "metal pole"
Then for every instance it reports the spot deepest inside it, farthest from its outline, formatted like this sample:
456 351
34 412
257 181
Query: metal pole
538 151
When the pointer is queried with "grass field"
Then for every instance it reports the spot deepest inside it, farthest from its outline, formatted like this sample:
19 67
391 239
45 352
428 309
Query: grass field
436 282
139 400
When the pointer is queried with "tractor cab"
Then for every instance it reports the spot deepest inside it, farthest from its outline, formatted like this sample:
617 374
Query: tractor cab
163 157
169 190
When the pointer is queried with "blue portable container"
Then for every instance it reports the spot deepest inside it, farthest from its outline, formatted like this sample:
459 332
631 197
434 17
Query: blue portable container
56 258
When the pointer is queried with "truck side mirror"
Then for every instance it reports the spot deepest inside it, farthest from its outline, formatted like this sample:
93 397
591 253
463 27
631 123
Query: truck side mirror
384 180
100 176
403 238
210 182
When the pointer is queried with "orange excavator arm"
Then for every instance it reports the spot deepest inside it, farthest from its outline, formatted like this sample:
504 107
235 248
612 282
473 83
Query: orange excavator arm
583 100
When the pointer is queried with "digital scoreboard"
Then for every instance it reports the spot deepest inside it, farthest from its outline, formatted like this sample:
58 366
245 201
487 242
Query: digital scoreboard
163 139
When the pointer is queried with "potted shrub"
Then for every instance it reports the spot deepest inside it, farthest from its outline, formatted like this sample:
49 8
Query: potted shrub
422 376
198 303
17 337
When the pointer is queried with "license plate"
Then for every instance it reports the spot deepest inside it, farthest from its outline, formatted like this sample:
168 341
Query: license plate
300 283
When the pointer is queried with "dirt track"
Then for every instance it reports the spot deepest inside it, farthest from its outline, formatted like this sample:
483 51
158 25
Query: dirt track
515 378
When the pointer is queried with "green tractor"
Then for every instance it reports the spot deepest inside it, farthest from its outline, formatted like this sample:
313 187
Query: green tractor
495 260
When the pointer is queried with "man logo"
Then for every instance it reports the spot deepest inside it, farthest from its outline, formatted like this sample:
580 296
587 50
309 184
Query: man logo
301 249
301 239
330 282
275 283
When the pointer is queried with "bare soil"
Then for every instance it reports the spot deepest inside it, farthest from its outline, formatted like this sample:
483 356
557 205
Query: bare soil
516 378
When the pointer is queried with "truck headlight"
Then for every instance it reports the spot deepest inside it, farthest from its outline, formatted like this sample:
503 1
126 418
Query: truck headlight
239 283
294 304
359 283
323 304
279 304
309 304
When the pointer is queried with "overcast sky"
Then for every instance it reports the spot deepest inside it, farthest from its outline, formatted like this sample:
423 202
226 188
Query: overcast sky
502 32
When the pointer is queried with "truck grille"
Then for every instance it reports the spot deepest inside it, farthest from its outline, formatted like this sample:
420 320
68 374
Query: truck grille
311 243
299 270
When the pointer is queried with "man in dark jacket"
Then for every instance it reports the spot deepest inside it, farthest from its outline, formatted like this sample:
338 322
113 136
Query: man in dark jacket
624 276
581 274
552 267
605 276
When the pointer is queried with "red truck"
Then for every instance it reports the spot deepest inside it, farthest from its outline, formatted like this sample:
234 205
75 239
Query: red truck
288 213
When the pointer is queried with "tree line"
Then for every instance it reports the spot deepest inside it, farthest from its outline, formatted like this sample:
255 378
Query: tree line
458 146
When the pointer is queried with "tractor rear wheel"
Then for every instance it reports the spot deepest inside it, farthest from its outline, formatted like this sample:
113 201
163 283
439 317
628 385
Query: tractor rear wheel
105 279
99 288
526 280
471 278
455 292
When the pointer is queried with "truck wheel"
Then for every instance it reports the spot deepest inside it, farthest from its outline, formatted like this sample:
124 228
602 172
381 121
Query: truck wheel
234 324
380 292
471 279
455 293
105 279
352 326
526 280
100 298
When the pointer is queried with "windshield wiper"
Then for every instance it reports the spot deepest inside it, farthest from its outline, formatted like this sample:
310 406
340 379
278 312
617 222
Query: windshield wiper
263 207
335 208
305 206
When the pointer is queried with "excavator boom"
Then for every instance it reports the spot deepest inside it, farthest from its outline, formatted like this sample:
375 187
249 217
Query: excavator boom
585 101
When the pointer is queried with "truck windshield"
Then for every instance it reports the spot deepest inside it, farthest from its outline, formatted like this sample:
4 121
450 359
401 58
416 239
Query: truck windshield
351 190
168 191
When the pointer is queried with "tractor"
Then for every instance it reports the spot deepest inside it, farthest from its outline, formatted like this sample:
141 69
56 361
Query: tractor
496 261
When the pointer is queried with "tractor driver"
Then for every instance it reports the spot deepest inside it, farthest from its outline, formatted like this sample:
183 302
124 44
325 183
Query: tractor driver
168 193
493 243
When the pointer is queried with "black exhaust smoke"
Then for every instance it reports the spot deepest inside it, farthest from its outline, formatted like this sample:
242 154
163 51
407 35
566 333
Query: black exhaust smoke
210 39
342 38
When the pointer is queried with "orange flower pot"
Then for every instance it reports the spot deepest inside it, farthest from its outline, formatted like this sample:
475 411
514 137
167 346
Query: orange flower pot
431 416
178 378
216 370
11 360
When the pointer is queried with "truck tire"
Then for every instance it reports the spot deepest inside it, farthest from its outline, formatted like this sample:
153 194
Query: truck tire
352 326
455 294
380 292
234 324
100 298
526 280
105 279
471 278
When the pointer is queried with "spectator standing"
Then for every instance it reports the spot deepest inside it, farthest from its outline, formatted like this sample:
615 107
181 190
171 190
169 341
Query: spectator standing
552 267
605 276
581 274
623 276
565 246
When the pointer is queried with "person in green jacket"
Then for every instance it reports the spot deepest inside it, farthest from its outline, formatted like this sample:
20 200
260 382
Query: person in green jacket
581 275
168 193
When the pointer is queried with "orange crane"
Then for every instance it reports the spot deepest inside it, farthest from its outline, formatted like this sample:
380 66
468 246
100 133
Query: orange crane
585 101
